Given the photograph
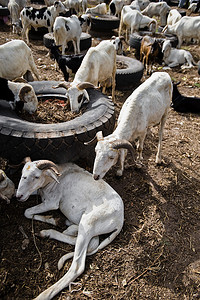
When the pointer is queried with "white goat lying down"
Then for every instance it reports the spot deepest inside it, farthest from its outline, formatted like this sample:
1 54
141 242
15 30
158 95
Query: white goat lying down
143 108
91 208
7 187
174 57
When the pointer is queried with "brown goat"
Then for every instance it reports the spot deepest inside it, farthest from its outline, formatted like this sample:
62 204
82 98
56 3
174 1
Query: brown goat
149 50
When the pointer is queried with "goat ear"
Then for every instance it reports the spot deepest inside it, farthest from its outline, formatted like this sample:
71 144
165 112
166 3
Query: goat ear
52 174
24 90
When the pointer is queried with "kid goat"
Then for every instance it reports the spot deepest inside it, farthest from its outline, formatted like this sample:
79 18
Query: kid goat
143 108
91 208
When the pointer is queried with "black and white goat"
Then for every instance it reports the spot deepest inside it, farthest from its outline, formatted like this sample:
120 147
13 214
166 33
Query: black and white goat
19 95
67 63
43 17
184 104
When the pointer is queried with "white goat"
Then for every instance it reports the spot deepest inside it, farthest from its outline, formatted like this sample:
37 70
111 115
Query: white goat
19 95
117 42
7 187
115 7
91 208
16 59
143 108
83 4
174 57
67 29
186 28
100 9
98 65
133 20
160 9
14 10
21 3
173 17
43 17
192 7
139 4
72 4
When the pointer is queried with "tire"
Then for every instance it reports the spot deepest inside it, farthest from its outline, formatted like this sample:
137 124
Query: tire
85 42
131 76
37 34
104 22
61 142
4 11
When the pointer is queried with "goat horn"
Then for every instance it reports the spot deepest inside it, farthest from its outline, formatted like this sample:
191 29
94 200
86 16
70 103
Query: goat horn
25 89
23 162
20 79
65 85
1 177
47 164
123 144
85 85
98 137
177 83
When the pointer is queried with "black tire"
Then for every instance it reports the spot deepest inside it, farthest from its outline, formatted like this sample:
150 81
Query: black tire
104 22
37 34
61 142
4 11
85 42
131 76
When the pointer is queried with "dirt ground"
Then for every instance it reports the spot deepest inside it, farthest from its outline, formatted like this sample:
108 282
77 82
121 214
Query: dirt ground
157 254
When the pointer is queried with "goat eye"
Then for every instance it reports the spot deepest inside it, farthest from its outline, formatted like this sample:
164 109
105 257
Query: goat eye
79 98
37 177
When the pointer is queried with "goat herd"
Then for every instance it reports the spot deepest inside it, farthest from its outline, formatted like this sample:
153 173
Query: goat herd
92 207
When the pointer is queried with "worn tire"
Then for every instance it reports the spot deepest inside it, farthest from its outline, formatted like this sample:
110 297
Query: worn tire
37 34
85 42
4 11
60 142
104 22
131 76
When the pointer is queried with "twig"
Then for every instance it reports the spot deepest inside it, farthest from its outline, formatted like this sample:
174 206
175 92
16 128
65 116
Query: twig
34 240
147 269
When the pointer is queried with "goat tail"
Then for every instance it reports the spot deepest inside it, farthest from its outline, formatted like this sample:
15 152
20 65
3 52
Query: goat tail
63 259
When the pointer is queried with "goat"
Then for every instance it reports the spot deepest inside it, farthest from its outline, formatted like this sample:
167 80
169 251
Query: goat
139 4
160 9
67 63
7 187
134 20
19 95
186 28
91 208
14 10
174 57
184 104
115 7
16 59
117 42
21 3
43 17
83 4
173 17
98 65
100 9
193 7
67 29
85 22
72 5
143 108
150 49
